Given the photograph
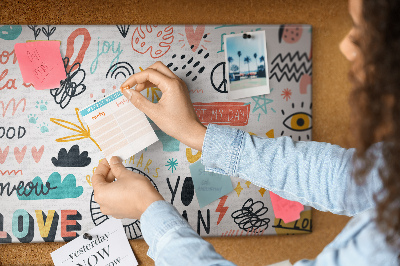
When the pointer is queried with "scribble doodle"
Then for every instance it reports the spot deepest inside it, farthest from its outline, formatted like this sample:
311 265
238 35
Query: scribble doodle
144 33
3 154
290 69
48 32
71 87
290 33
123 68
10 32
36 31
123 29
72 158
83 132
250 216
221 208
172 164
15 107
37 154
19 154
194 68
219 84
10 172
261 103
286 93
70 47
131 226
298 121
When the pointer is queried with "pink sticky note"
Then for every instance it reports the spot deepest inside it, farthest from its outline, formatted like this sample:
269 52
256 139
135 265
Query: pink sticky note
284 209
41 63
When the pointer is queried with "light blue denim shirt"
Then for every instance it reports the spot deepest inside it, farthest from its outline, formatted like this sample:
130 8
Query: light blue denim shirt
313 173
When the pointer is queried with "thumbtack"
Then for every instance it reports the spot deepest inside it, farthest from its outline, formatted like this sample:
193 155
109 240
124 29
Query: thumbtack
88 236
246 36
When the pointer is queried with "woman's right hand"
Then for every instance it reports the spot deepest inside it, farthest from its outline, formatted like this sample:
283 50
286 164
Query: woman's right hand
174 113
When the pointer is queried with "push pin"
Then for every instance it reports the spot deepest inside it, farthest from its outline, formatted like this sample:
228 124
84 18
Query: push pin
246 36
87 236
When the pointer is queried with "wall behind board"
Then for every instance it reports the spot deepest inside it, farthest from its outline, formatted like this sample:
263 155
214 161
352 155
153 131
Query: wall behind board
330 21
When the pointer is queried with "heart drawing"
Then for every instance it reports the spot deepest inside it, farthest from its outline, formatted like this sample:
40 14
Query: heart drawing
194 36
37 154
19 155
3 155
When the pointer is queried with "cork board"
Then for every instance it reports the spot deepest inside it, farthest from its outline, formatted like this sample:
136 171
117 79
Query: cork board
329 94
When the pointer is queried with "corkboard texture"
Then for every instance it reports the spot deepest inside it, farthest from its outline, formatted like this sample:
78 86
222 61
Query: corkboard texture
331 88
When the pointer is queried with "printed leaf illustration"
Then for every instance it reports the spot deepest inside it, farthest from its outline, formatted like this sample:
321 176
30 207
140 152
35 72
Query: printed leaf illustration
83 132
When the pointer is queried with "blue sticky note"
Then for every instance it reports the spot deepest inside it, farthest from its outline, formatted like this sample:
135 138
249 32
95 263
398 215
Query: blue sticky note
209 186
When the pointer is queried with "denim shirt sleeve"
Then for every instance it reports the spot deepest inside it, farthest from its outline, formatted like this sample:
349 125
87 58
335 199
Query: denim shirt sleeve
172 241
313 173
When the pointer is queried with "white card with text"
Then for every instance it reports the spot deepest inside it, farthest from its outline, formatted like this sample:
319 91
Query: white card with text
108 246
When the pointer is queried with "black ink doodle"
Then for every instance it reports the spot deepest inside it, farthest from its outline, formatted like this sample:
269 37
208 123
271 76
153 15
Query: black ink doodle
70 87
187 192
120 68
279 72
36 31
72 158
188 64
250 216
298 121
48 32
221 87
123 29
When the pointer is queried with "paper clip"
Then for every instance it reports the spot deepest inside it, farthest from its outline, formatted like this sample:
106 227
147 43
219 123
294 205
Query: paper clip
88 236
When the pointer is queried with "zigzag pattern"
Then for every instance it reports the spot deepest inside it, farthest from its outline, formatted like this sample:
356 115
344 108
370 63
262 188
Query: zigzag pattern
294 66
289 78
7 172
196 90
291 57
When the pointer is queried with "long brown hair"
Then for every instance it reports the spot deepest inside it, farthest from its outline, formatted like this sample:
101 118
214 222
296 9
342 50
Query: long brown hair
375 103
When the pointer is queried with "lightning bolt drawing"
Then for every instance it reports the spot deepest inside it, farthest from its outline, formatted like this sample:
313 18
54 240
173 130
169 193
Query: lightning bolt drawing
221 208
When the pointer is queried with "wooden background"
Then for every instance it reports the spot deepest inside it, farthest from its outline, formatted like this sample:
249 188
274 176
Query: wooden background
330 21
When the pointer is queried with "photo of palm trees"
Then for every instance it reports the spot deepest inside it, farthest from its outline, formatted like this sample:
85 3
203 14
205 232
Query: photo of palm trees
246 59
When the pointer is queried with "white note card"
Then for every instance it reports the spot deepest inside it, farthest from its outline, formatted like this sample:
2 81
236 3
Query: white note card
109 246
118 126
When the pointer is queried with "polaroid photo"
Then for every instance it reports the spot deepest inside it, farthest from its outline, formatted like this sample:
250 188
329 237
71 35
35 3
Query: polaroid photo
247 65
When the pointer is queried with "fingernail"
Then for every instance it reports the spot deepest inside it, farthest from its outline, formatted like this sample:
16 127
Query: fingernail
115 160
124 88
128 94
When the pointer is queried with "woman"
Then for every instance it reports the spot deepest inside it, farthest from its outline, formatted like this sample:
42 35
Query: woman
360 182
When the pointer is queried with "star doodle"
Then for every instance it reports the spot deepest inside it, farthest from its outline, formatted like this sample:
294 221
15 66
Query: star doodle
238 189
286 93
261 103
172 164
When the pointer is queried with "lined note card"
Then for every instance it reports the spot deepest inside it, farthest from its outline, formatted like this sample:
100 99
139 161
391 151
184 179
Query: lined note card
118 126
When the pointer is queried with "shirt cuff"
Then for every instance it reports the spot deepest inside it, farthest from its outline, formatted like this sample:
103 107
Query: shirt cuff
221 149
159 218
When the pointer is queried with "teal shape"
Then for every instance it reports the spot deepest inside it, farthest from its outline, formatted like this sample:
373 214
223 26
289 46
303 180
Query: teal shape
10 32
169 143
65 189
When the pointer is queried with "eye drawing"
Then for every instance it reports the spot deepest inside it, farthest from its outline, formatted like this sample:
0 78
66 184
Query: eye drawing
298 121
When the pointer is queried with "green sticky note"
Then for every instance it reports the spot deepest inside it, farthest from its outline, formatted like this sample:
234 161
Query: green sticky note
209 186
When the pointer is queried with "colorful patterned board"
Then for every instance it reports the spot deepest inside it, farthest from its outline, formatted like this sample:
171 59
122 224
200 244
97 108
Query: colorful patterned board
47 155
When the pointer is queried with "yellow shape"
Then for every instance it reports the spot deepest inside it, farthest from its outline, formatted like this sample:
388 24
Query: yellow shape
238 189
44 228
300 121
270 134
192 158
248 184
83 132
252 134
300 226
262 191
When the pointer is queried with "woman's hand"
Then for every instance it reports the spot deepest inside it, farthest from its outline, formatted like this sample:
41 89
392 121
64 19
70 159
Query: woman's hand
127 197
174 113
